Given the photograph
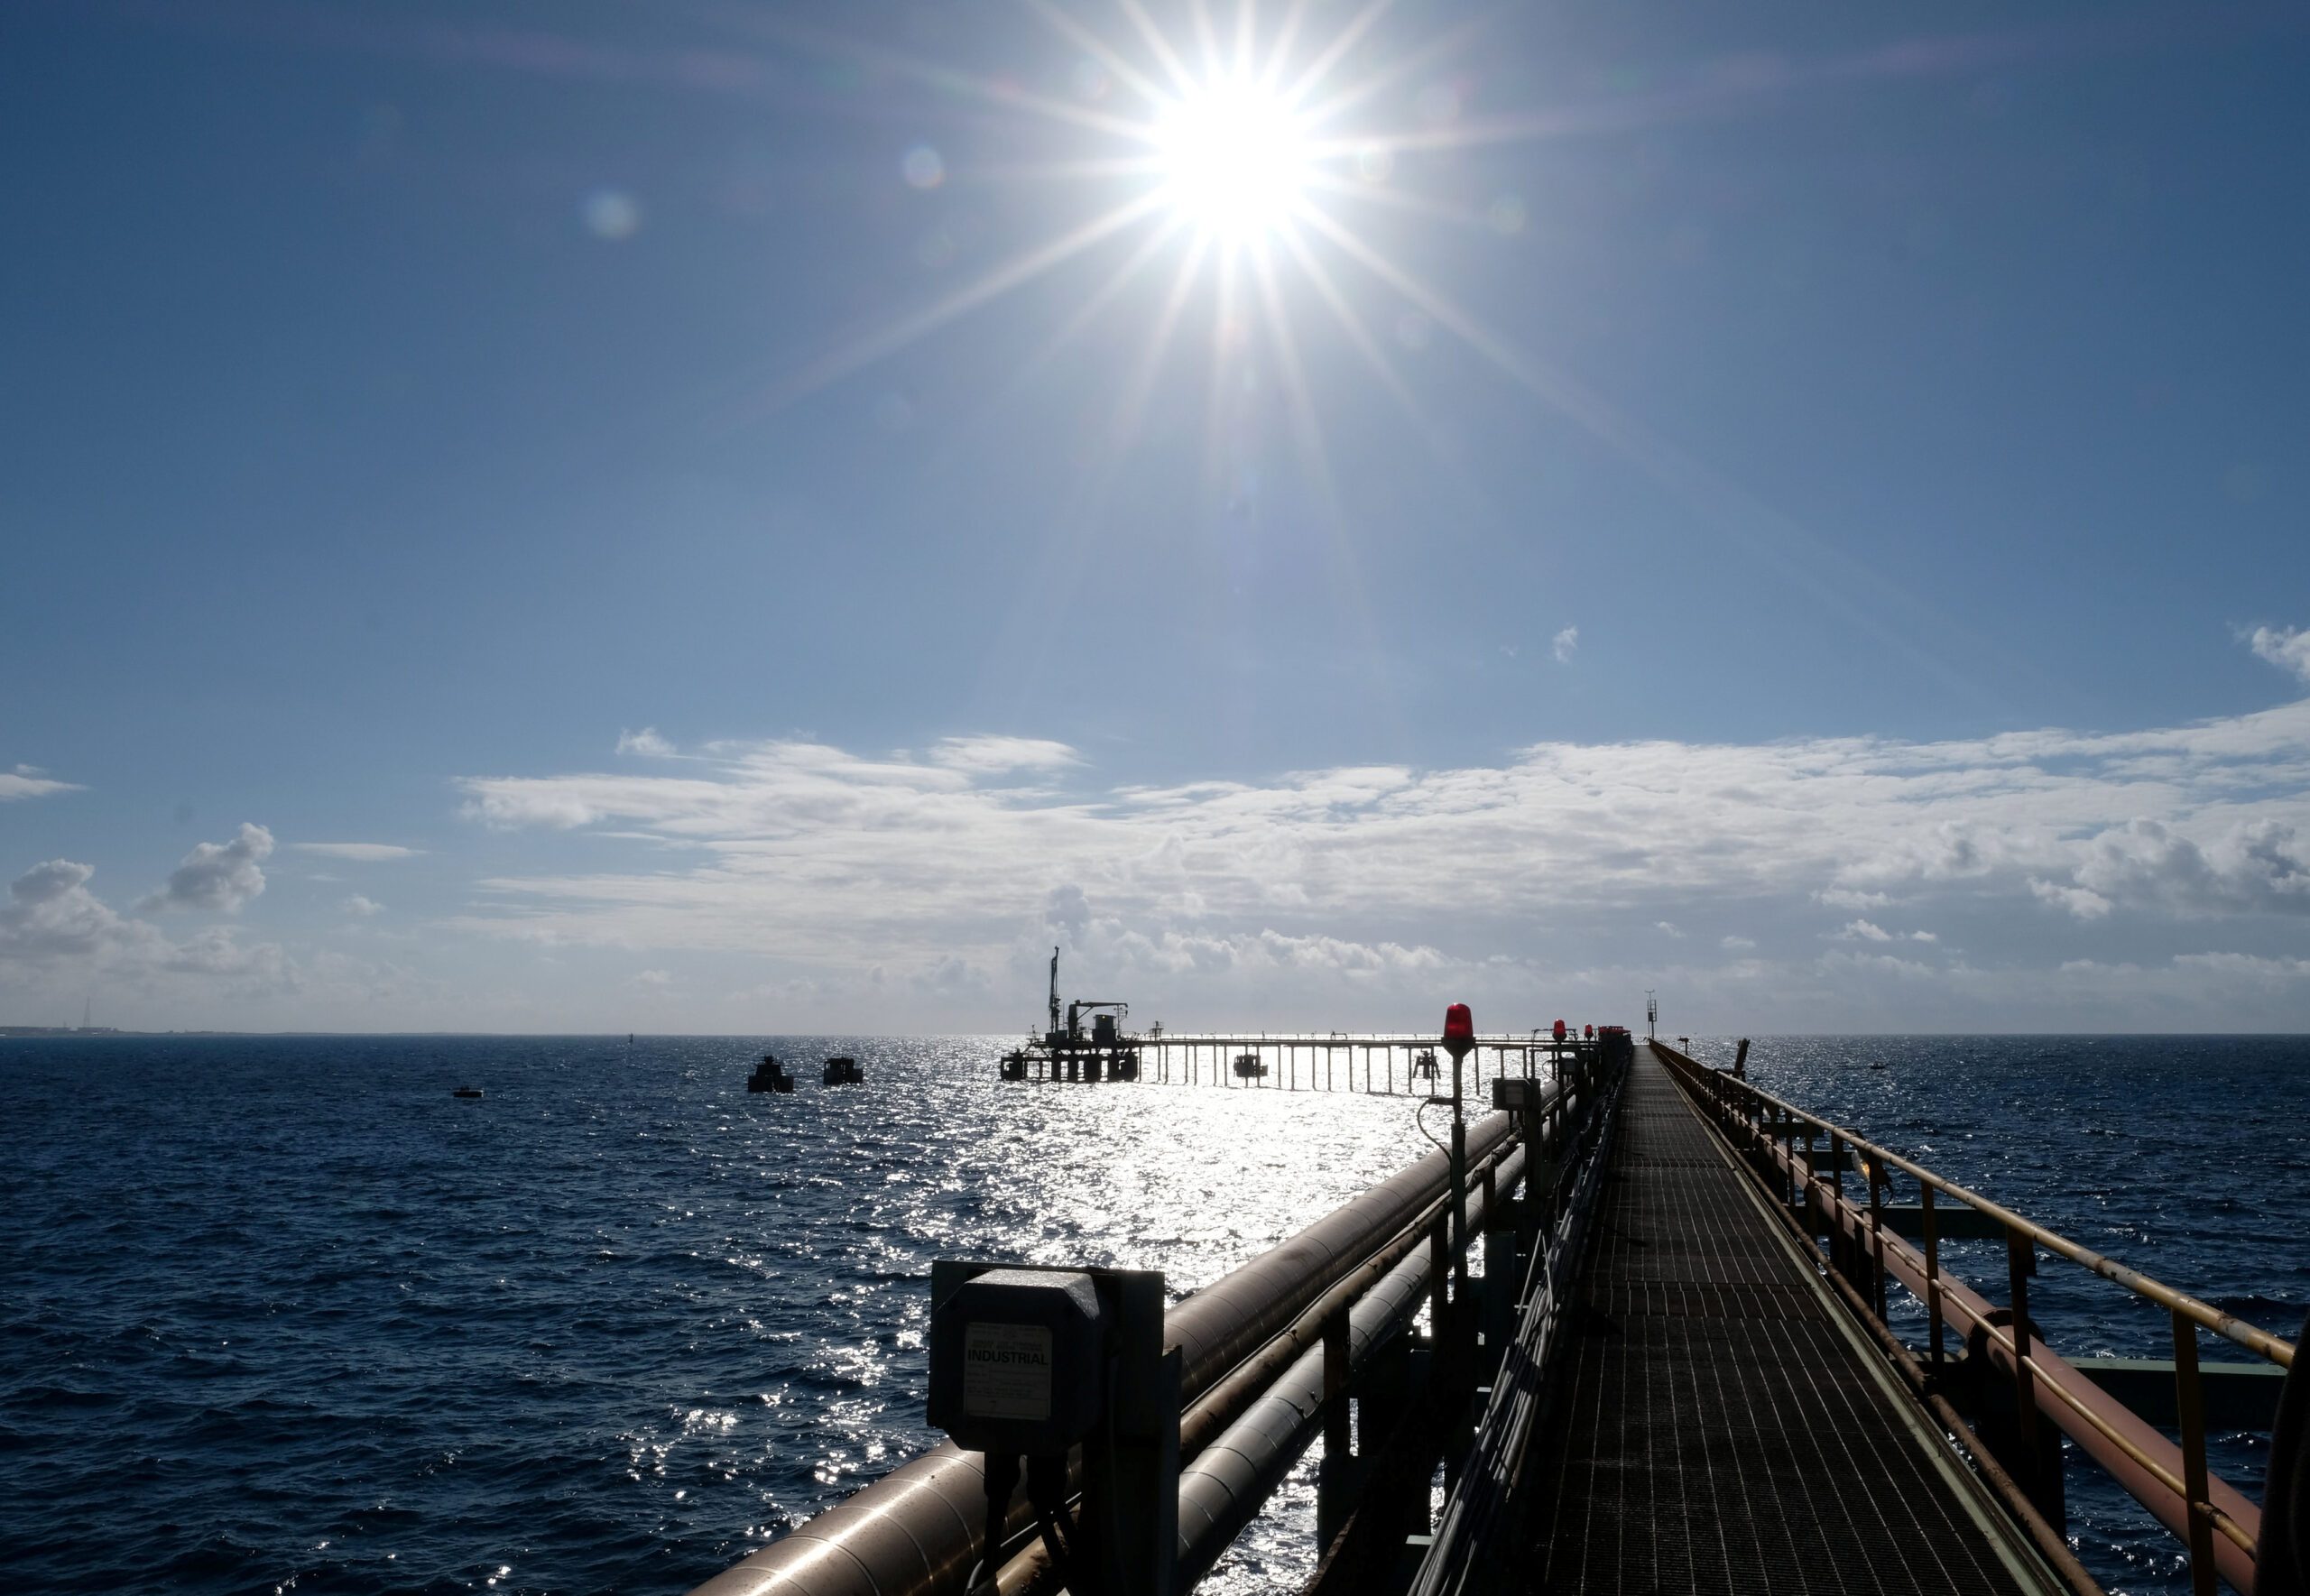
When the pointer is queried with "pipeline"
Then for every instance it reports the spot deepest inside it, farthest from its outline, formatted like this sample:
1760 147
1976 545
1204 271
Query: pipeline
1222 1489
916 1531
1265 1412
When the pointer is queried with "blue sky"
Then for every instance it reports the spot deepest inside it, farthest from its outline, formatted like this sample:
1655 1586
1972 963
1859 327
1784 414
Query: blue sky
764 517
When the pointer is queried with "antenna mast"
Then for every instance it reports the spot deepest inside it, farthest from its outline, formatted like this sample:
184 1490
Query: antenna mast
1054 989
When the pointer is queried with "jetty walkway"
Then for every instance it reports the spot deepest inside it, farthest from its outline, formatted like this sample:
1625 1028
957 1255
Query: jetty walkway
1721 1425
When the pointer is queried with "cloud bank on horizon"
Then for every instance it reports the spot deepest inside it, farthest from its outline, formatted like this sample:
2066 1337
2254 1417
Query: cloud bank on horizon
2154 877
2106 877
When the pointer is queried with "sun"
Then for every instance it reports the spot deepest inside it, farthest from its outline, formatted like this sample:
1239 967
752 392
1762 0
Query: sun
1234 160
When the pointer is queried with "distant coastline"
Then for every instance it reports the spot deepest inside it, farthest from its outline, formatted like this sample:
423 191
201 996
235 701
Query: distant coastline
96 1030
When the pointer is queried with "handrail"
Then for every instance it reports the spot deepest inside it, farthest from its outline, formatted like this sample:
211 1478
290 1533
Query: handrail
1771 1125
2253 1338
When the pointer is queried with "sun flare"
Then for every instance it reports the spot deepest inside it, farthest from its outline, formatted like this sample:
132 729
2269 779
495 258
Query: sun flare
1234 160
1271 178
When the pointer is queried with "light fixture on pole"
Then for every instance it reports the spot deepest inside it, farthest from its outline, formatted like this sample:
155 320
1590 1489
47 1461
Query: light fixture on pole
1459 1038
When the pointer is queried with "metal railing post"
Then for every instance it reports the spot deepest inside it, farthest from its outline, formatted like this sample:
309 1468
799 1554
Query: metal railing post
1812 1185
1932 1270
2018 1264
2189 1398
1840 1254
1877 1240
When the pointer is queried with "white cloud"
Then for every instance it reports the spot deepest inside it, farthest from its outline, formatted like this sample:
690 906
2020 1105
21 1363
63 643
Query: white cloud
1667 928
30 782
1737 944
60 943
656 980
52 919
1878 964
1869 931
2253 865
645 742
2289 649
2085 904
50 911
996 754
1847 898
824 862
221 876
2250 966
1565 642
870 842
363 908
359 853
1068 910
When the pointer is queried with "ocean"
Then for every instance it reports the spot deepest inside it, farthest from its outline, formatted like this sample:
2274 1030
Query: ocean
283 1316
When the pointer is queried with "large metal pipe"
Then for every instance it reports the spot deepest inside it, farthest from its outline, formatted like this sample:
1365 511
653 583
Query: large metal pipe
916 1531
1223 1489
1229 1480
1228 1397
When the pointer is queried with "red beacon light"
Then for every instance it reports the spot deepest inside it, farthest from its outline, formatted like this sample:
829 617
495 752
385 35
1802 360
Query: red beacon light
1589 1031
1559 1030
1459 1030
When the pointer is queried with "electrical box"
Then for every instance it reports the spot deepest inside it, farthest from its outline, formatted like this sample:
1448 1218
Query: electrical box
1018 1362
1517 1091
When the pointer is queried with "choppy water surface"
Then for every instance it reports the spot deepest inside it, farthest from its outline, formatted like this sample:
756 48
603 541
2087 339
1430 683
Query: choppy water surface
282 1313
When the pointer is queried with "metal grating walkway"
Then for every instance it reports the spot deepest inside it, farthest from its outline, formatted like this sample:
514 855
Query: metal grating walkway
1716 1430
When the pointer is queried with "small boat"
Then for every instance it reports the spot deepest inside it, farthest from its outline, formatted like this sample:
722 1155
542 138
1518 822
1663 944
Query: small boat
1424 1065
843 1071
464 1091
1248 1066
770 1075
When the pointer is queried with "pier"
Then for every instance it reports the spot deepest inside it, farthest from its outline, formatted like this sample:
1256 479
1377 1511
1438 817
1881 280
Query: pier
1643 1333
1334 1061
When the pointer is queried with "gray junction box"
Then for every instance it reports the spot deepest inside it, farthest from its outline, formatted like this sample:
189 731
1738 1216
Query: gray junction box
1030 1360
1018 1362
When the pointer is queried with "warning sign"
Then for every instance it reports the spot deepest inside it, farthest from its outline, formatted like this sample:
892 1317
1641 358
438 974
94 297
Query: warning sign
1006 1370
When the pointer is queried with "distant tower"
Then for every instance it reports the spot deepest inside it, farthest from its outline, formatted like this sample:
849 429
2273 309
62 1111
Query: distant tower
1651 1012
88 1006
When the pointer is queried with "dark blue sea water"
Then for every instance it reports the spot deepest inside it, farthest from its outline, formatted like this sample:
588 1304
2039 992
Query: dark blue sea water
280 1313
